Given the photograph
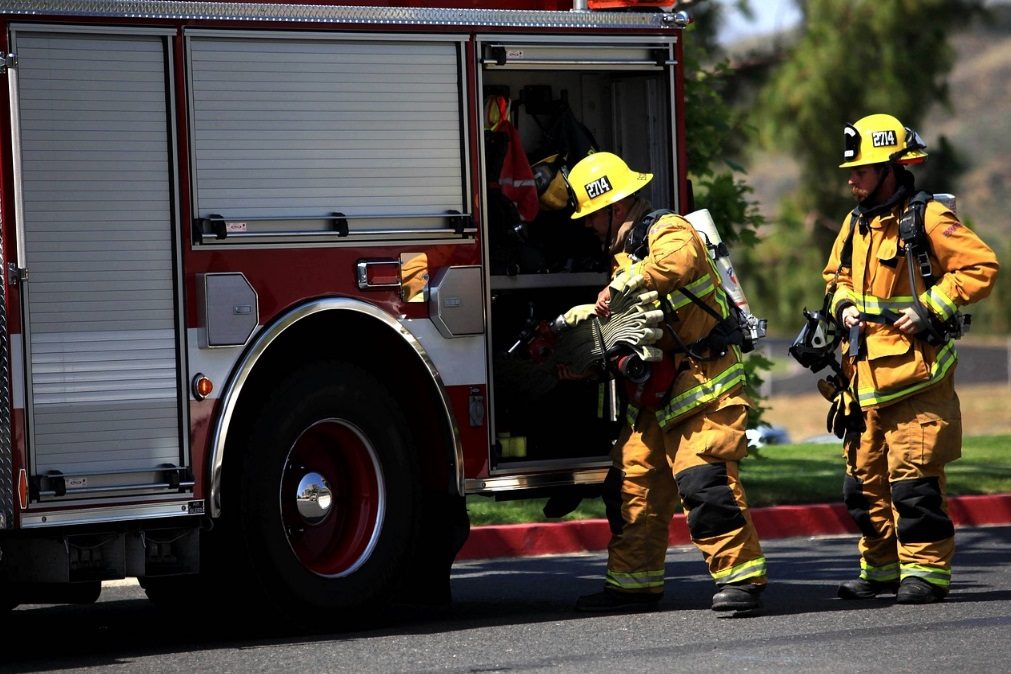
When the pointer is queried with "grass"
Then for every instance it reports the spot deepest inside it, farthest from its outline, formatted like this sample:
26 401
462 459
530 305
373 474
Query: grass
790 474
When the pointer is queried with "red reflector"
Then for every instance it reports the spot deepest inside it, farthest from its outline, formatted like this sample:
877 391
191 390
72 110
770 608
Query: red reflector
383 277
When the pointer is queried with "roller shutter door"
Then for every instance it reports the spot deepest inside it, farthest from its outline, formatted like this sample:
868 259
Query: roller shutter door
101 347
292 127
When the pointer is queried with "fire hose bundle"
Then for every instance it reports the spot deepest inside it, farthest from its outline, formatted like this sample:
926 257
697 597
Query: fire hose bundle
585 340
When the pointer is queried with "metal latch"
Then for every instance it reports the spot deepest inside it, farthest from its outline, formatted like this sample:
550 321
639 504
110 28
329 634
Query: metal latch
7 61
16 274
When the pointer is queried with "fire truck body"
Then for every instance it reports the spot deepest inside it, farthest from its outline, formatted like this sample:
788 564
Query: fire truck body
255 313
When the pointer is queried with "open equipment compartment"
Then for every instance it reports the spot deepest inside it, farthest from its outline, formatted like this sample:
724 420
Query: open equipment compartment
621 95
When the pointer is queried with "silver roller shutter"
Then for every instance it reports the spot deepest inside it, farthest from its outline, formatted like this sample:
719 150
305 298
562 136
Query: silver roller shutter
295 128
97 227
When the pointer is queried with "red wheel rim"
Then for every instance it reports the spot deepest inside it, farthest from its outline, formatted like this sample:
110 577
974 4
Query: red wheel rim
343 536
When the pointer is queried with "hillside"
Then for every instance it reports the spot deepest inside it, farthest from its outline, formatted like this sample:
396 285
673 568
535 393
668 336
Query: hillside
978 124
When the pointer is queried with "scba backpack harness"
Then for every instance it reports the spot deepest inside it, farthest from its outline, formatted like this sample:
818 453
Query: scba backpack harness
845 416
916 248
731 330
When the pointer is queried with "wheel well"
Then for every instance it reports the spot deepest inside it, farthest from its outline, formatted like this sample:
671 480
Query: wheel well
370 345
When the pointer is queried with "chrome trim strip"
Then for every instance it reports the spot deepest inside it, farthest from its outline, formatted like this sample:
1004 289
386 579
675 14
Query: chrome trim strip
333 236
54 518
510 483
141 487
263 339
363 216
20 356
309 13
616 64
449 239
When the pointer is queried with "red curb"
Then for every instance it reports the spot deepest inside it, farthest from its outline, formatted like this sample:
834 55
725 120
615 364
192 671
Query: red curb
826 519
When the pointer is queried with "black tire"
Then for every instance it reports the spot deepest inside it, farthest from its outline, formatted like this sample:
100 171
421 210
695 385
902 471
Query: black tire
7 601
330 425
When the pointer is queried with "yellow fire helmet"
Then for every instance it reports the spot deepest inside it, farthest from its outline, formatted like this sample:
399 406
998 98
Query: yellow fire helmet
878 139
601 179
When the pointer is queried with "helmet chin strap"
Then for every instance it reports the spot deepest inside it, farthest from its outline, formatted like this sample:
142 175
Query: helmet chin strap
608 244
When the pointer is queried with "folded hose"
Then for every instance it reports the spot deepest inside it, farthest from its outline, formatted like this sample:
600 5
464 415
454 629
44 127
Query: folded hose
585 340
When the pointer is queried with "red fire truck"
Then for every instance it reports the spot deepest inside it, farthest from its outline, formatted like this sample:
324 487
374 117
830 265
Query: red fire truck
267 319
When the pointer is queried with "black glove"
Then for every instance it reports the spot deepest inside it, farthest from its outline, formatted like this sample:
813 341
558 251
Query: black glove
844 415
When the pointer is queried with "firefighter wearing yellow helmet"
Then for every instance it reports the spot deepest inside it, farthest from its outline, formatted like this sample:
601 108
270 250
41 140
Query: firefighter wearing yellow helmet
900 269
881 139
688 441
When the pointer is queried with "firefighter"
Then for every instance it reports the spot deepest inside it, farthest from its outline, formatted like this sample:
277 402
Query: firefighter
897 275
691 442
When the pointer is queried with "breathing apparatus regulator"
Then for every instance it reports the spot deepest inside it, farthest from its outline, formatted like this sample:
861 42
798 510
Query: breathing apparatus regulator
816 343
815 348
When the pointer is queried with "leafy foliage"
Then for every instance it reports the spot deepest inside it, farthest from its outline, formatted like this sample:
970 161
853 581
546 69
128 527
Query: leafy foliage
713 129
851 58
718 183
855 57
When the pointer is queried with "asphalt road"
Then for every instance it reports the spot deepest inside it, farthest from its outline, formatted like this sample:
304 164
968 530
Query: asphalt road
515 615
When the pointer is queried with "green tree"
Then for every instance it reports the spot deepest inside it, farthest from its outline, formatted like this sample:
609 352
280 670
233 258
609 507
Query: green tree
853 58
850 58
714 131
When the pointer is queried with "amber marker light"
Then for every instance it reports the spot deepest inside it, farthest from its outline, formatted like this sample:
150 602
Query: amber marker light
202 386
23 488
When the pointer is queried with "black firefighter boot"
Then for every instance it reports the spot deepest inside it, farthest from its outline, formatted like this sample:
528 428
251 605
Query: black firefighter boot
740 598
613 600
866 589
915 590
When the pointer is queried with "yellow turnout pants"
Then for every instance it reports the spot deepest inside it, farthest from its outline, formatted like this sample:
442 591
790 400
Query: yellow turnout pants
895 486
697 457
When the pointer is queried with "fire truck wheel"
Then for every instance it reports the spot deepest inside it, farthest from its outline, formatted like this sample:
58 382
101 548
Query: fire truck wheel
330 496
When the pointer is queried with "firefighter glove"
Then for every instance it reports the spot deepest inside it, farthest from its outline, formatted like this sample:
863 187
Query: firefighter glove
633 324
831 386
844 415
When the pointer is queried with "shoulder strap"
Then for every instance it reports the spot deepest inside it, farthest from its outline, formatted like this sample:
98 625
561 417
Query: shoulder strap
846 254
637 243
914 234
728 331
